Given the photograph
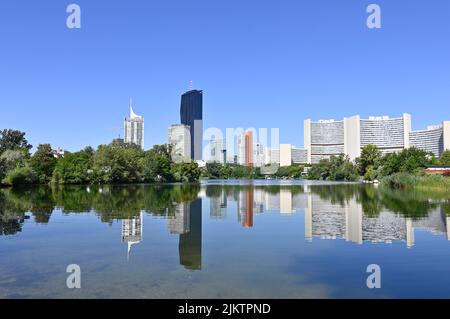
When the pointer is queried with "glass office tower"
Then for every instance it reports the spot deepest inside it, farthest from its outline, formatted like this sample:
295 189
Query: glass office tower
191 113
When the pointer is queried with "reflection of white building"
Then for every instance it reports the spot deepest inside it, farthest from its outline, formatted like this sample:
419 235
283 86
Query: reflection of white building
132 231
285 201
348 221
179 224
218 207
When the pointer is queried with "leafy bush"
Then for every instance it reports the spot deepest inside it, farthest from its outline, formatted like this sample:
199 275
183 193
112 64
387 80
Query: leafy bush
21 176
336 168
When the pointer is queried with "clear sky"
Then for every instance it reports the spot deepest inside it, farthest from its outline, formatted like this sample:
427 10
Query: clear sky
264 63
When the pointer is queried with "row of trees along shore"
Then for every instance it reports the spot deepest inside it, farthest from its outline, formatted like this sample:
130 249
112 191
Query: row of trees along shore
115 163
119 162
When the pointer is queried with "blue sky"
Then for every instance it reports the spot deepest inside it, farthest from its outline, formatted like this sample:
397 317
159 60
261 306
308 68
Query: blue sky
260 63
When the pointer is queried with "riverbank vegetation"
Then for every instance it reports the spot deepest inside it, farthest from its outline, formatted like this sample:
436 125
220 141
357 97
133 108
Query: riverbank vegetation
401 170
121 163
114 163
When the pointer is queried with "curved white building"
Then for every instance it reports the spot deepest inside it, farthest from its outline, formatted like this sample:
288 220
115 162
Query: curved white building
388 134
331 138
324 139
435 139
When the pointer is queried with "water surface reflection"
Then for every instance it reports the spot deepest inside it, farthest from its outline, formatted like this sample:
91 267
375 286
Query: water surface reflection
201 214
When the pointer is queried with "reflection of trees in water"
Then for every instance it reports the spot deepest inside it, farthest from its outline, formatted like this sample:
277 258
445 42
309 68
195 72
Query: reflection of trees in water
109 202
122 202
12 214
414 204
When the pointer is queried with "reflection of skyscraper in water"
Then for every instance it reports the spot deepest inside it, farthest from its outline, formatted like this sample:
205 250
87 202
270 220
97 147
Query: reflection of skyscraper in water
218 206
409 233
285 201
132 230
179 224
245 208
353 222
190 246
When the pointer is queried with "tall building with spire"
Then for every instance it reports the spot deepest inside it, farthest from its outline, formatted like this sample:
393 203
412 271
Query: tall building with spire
134 128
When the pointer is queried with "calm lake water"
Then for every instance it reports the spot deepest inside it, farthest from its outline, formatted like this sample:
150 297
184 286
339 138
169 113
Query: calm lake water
224 239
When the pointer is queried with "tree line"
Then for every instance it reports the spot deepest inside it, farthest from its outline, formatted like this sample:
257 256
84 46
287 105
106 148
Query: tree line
121 162
373 165
114 163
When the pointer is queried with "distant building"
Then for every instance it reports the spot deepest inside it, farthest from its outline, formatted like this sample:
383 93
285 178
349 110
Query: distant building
285 155
299 155
248 148
273 156
435 139
258 155
134 128
437 170
327 138
191 114
59 152
245 148
218 151
180 140
290 155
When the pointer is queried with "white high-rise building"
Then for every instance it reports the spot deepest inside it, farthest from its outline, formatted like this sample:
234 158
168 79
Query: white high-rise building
435 139
285 155
218 151
327 138
241 149
258 155
134 128
274 156
180 140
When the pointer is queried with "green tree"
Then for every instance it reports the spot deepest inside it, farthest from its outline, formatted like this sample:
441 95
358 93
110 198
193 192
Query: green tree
74 168
215 171
186 172
21 176
43 163
118 163
407 161
2 170
371 173
158 164
14 140
13 159
445 158
370 156
336 168
291 172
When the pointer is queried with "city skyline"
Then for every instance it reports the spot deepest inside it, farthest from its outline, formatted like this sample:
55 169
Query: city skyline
276 68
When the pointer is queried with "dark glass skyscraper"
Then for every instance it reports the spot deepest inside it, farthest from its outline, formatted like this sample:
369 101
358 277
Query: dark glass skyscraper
191 113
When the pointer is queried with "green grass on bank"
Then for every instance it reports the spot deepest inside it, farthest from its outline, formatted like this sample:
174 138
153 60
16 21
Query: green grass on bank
435 183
